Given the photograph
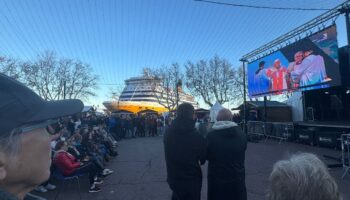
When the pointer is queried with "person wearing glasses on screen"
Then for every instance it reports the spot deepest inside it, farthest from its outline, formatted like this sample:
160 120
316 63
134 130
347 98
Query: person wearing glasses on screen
25 154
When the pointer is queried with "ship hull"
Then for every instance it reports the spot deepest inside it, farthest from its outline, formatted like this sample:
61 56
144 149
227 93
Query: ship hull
134 107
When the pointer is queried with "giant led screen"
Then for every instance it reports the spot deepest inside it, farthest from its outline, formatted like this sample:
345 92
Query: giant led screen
310 63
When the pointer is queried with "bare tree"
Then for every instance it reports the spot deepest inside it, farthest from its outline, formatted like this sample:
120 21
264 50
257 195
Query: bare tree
115 92
212 80
10 67
81 82
167 85
53 78
237 89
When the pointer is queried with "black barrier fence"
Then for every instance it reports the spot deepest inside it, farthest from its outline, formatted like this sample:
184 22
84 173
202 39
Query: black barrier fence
276 130
289 131
345 147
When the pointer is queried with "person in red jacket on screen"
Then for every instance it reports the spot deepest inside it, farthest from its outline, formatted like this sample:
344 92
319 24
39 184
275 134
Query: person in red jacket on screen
277 74
69 166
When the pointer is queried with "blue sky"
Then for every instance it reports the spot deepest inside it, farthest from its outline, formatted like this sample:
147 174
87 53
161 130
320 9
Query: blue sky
120 37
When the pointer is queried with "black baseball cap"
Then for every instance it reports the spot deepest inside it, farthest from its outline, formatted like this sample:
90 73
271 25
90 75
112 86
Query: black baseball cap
19 106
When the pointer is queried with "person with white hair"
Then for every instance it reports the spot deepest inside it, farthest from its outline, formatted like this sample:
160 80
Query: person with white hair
313 70
226 146
303 176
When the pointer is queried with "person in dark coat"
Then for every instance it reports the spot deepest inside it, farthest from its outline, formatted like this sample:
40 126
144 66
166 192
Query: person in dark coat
184 152
226 146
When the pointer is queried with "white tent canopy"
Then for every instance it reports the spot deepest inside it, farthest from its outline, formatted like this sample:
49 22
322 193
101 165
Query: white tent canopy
214 110
87 109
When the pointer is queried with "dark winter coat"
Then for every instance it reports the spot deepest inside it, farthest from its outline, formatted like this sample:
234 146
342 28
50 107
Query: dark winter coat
184 150
4 195
226 146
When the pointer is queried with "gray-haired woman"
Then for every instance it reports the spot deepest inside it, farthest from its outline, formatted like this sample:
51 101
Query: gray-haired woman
303 176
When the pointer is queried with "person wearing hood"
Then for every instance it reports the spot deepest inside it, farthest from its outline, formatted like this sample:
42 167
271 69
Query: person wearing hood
185 151
226 146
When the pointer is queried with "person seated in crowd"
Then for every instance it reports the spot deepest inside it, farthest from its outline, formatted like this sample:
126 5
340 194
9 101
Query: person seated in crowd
108 141
98 141
226 146
303 176
93 153
109 137
69 166
73 148
24 141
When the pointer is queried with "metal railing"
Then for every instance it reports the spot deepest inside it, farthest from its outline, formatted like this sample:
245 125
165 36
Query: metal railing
281 131
255 128
345 155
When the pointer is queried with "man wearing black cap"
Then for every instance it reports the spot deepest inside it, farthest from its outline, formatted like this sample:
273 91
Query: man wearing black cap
24 141
184 152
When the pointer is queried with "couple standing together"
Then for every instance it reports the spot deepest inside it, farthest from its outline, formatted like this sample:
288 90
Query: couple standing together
186 150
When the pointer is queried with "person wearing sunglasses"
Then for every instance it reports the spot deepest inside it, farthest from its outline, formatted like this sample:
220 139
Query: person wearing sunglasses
25 154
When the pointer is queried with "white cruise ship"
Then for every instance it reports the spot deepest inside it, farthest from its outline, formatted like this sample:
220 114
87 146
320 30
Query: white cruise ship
143 93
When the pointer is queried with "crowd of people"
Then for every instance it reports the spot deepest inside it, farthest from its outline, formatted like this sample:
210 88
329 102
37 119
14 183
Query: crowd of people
132 126
301 177
29 131
82 147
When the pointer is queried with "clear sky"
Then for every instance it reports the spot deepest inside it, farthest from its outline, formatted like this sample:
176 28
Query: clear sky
120 37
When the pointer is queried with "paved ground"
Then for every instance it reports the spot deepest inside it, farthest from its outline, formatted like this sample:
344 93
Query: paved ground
140 172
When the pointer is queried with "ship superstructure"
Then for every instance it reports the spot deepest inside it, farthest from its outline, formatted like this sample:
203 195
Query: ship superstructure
144 93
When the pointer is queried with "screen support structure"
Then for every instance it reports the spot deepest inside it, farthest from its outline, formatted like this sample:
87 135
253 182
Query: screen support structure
343 8
300 31
265 109
244 98
265 113
346 11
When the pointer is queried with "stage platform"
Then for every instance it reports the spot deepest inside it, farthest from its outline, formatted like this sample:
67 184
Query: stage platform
325 124
315 133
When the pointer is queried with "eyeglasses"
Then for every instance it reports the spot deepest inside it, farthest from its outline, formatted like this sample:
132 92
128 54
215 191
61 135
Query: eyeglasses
30 127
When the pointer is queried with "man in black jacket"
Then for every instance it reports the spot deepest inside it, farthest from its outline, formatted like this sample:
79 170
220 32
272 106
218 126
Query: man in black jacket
184 152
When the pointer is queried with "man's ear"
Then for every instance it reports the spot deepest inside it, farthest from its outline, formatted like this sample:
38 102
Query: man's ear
3 171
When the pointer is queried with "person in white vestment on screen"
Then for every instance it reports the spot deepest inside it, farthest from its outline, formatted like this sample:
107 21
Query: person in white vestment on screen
311 71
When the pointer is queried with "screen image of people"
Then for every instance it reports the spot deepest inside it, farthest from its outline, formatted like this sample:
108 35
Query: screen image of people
310 63
307 69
